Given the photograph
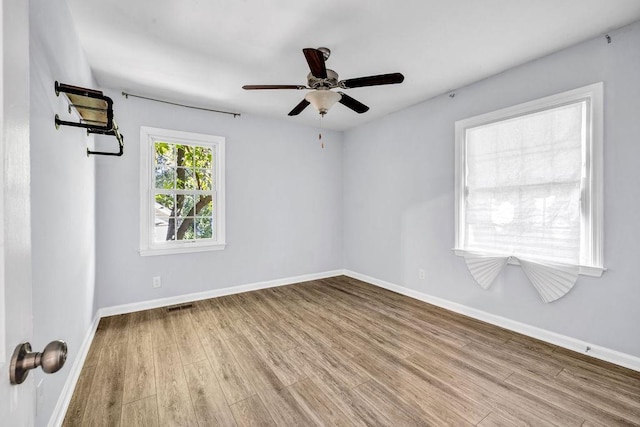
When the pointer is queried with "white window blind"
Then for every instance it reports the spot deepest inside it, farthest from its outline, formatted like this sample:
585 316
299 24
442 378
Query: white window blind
523 184
529 190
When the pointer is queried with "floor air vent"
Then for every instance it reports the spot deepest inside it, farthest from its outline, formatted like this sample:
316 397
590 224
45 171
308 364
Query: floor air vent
179 307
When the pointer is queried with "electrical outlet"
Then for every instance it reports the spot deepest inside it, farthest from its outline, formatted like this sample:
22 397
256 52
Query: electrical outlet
421 274
157 282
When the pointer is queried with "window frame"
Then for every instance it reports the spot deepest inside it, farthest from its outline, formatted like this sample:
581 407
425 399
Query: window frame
591 203
148 137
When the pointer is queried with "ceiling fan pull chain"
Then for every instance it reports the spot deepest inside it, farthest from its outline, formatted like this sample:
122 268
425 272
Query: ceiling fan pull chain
320 134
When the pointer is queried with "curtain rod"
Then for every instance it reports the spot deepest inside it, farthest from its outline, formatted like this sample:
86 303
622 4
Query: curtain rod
127 95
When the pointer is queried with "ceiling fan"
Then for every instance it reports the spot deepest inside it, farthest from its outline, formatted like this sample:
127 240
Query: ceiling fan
322 80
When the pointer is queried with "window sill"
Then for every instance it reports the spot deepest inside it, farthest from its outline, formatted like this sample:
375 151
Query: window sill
181 250
583 270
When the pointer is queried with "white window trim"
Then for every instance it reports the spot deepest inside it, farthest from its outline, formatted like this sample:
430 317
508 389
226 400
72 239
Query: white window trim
148 135
591 206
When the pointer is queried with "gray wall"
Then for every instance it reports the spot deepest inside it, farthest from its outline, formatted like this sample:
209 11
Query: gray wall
62 196
284 206
399 196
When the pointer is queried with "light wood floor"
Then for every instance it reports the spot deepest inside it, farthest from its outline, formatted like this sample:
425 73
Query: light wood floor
337 352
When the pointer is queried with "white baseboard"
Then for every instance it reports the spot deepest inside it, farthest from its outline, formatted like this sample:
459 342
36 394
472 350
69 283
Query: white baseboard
599 352
57 417
181 299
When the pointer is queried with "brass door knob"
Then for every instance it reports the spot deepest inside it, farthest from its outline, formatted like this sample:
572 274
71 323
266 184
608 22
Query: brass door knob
51 360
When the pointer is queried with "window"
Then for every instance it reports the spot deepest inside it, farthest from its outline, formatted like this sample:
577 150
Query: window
181 192
529 181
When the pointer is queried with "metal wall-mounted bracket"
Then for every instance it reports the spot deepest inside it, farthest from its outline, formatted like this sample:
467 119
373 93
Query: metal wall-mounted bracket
96 114
114 132
23 360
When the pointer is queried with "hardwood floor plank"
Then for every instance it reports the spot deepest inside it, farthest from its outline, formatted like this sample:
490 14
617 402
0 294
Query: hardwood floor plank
282 407
231 305
189 345
258 372
515 361
358 411
140 325
162 330
439 401
538 346
223 322
462 326
553 394
398 411
141 413
233 381
476 385
338 351
348 372
201 319
572 358
317 405
270 327
174 402
139 380
506 398
288 373
104 401
478 360
208 399
405 323
98 341
118 330
251 413
494 420
78 404
602 396
305 330
628 387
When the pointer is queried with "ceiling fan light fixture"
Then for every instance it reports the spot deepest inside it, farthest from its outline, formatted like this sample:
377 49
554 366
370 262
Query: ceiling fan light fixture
322 100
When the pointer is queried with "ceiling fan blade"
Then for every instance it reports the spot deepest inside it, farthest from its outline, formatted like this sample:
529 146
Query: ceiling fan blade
254 87
315 59
298 108
354 104
382 79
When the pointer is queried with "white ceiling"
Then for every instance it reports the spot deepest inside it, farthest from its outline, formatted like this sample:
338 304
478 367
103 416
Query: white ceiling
201 52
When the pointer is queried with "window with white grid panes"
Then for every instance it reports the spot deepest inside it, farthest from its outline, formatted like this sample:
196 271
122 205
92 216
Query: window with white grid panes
529 180
182 209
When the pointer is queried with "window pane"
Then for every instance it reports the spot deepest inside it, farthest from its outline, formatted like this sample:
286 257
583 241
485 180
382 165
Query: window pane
164 228
185 229
523 185
165 203
203 157
164 177
203 179
184 154
185 179
165 154
204 228
204 206
184 204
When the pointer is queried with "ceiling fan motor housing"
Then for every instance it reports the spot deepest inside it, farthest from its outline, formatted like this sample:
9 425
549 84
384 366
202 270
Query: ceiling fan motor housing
330 82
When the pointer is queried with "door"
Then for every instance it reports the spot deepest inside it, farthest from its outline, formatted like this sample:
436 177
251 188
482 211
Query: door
17 402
